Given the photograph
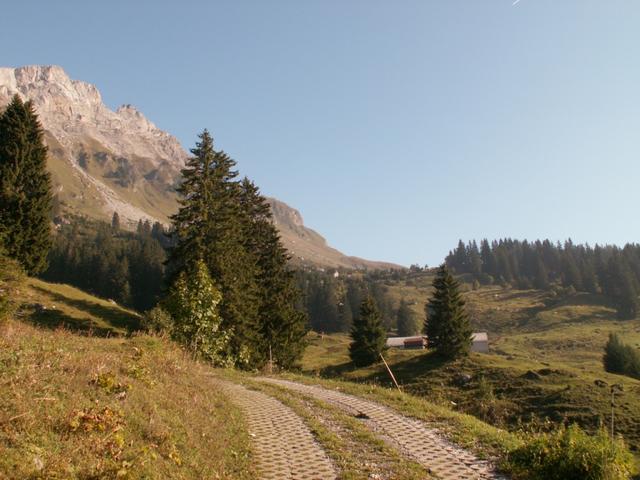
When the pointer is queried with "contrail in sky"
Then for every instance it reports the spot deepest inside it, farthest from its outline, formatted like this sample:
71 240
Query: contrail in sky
515 3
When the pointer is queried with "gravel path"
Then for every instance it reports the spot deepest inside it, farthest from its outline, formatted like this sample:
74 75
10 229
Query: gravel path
414 438
284 447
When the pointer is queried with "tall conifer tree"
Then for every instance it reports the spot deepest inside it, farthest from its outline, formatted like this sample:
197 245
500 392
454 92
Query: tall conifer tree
367 334
115 222
406 320
281 326
25 187
447 323
209 227
620 285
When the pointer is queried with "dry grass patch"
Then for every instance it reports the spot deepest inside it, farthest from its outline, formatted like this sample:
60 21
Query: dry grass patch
85 407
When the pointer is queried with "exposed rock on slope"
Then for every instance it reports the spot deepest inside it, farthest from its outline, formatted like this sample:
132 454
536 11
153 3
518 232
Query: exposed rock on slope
104 161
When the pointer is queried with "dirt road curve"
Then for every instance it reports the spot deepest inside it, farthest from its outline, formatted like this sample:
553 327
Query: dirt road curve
284 447
416 439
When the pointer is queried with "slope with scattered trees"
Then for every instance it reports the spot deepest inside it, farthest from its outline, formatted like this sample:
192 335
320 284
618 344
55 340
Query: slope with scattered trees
610 270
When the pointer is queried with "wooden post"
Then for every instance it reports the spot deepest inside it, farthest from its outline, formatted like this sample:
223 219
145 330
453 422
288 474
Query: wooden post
615 388
391 373
612 411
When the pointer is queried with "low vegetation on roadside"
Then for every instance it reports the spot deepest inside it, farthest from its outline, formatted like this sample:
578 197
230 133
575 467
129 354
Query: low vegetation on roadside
524 455
11 280
569 453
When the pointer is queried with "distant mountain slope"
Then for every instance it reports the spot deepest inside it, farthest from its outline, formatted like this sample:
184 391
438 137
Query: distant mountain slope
104 161
309 247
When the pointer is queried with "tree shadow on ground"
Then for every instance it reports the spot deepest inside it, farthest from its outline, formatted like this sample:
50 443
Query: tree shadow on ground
405 371
408 370
116 319
55 319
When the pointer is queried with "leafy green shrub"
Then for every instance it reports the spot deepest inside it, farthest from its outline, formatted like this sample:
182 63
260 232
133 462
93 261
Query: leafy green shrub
485 279
487 406
157 320
108 382
570 454
193 302
11 277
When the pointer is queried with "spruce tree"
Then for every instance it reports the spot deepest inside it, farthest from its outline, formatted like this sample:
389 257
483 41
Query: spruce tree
281 325
406 320
619 284
323 306
25 187
346 315
115 222
621 358
541 280
209 226
447 324
353 297
368 337
488 258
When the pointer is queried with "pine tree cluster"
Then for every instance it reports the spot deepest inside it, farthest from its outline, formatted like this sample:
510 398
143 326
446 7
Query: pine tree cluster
25 187
407 322
226 223
621 358
609 270
332 302
97 257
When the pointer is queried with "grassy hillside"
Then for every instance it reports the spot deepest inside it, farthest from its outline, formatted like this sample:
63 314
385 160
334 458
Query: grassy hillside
82 400
84 396
545 361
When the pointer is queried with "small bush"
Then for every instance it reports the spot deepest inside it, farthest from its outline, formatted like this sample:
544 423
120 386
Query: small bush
103 419
108 382
157 320
193 303
487 406
570 454
11 278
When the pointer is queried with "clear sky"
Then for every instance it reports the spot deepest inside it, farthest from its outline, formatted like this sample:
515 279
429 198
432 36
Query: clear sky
395 127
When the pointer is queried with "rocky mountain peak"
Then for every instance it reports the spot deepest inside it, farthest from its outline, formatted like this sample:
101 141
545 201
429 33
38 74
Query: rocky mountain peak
71 109
45 81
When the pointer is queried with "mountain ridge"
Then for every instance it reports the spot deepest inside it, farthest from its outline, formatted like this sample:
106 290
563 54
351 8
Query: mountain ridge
105 160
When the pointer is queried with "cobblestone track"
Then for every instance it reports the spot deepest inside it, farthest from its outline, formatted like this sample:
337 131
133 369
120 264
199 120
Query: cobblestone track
284 447
424 444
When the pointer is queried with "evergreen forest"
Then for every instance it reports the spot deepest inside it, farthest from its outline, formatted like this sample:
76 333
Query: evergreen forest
608 270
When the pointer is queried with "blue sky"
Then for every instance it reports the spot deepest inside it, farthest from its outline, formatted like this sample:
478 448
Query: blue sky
396 128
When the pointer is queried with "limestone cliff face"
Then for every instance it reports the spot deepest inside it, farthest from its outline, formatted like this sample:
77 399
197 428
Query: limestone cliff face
104 161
